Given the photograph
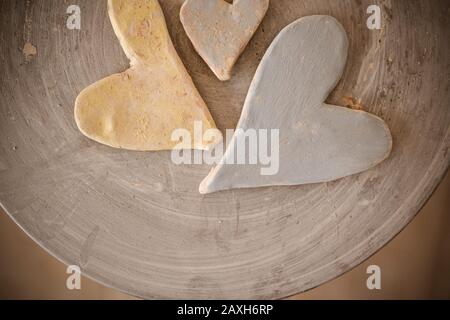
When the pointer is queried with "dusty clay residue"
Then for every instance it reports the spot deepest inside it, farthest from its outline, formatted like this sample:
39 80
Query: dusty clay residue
352 103
29 51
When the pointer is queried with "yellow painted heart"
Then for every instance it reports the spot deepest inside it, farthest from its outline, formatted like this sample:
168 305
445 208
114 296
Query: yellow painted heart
140 108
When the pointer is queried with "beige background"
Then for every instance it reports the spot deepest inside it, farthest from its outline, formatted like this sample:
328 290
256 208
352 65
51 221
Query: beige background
415 265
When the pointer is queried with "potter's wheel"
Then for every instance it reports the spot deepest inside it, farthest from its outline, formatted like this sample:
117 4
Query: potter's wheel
136 222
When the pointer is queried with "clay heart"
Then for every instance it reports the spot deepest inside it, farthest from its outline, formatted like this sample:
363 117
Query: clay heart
317 142
140 108
220 31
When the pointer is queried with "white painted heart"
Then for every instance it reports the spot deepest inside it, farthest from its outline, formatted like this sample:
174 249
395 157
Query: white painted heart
220 31
318 142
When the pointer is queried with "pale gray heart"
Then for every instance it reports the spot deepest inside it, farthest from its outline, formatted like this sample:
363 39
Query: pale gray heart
318 142
220 31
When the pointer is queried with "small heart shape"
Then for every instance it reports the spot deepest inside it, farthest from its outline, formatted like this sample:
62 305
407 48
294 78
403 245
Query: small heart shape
220 31
317 142
140 108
